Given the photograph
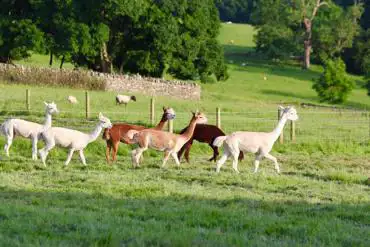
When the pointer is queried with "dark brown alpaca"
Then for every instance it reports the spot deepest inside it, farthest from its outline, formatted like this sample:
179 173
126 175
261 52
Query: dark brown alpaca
203 133
118 133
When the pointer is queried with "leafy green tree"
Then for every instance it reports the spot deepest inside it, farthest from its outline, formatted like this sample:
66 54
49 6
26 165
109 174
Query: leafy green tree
17 38
333 85
314 25
234 10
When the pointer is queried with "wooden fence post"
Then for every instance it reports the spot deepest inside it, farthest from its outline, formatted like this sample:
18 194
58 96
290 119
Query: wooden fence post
281 137
218 117
170 126
151 111
292 131
87 104
28 99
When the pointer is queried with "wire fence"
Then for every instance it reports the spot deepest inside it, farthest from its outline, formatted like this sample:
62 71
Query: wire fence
312 126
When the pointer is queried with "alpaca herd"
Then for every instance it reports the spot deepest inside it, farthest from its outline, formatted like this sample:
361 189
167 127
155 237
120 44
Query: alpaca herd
259 143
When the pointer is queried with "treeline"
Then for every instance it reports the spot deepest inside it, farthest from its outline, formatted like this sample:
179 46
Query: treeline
295 28
150 37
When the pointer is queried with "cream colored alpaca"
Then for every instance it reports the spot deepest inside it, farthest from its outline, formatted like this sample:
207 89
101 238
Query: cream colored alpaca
72 139
259 143
27 129
164 141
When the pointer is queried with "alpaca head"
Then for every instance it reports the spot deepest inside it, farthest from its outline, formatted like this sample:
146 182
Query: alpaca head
199 117
51 108
133 97
105 122
290 112
169 113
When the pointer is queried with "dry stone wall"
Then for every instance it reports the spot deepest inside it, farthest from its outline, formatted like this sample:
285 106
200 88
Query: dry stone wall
100 81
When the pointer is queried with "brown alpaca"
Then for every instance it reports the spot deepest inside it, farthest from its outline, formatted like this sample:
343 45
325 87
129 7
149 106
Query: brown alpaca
163 141
118 133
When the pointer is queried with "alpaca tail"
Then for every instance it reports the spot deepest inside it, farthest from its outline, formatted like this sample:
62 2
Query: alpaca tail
219 141
131 136
7 128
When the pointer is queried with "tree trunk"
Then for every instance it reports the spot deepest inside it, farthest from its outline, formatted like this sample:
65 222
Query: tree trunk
51 59
307 43
106 64
62 62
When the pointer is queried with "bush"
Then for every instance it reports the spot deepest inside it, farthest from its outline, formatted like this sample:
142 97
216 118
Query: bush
333 85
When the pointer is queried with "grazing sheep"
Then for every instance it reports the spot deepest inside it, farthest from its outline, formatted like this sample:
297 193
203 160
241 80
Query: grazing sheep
72 139
259 143
27 129
72 99
124 99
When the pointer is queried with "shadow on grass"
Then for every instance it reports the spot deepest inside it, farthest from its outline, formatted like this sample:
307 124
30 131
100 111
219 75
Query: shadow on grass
288 94
141 216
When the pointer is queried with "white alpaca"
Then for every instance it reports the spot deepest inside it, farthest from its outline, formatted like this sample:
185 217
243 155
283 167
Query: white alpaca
72 99
72 139
259 143
27 129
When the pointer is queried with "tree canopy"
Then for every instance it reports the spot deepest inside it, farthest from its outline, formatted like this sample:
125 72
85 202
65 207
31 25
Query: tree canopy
143 36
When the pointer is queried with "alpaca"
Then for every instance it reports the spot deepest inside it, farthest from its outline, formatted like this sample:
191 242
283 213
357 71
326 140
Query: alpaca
31 130
259 143
118 133
72 99
124 99
72 139
163 141
203 133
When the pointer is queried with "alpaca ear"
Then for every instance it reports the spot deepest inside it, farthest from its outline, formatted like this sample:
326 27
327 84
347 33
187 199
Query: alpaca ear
281 107
100 115
46 103
164 108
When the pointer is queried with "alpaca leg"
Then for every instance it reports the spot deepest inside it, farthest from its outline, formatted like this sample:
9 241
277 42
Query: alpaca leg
9 142
166 156
139 153
49 144
241 156
181 151
215 153
108 151
69 157
82 157
257 162
235 161
115 150
270 157
133 158
221 161
187 150
34 148
174 155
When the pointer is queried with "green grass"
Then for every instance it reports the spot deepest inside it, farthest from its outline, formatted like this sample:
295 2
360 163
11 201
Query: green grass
321 197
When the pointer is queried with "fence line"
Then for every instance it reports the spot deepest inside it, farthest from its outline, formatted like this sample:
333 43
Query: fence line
335 124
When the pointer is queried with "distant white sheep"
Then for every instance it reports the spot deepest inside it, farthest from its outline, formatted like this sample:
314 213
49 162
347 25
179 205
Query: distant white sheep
124 99
72 99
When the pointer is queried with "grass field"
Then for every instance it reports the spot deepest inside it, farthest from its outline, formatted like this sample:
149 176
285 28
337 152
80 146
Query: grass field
321 197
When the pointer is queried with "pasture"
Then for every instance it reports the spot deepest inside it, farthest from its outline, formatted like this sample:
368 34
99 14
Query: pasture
321 197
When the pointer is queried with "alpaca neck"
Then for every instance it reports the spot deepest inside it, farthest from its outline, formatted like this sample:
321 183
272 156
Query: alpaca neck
190 129
95 133
279 128
47 123
161 124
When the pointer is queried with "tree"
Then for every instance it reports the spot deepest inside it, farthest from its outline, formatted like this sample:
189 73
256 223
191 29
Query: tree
18 38
309 12
333 85
334 28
